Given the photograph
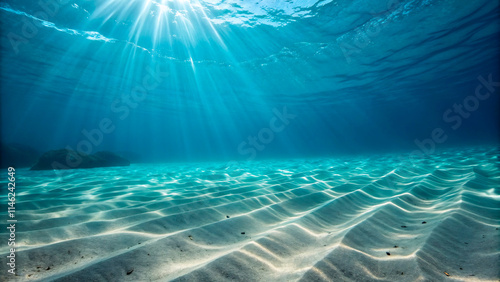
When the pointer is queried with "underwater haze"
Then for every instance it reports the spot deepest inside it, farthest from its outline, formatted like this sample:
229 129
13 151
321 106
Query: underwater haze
228 140
193 80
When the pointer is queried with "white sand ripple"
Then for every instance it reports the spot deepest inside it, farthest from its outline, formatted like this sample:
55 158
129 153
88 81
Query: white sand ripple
347 219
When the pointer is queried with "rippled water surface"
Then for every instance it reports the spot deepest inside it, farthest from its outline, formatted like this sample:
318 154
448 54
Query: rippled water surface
286 140
358 75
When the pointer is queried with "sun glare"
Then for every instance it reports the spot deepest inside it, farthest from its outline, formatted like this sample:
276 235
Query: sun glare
164 8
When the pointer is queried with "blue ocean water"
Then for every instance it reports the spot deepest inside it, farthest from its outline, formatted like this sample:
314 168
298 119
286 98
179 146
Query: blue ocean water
286 140
194 80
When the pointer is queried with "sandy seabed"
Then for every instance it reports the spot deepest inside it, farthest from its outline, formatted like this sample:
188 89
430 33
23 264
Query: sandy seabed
344 219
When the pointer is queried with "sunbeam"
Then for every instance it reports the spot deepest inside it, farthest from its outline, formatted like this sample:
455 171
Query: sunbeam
266 140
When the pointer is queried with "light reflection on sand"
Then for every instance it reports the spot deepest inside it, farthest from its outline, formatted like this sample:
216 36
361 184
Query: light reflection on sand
315 219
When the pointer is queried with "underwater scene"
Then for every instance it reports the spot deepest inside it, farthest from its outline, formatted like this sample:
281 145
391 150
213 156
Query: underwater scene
232 140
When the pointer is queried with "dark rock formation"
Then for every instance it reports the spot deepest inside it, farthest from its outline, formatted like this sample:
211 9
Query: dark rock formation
17 156
67 159
131 156
107 158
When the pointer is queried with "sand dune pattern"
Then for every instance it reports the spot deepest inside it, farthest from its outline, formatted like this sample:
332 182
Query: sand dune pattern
344 219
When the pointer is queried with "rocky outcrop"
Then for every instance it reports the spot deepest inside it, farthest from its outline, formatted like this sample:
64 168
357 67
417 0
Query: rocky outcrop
17 156
131 156
68 159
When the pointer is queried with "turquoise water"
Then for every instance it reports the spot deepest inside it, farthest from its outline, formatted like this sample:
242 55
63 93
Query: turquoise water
297 140
194 80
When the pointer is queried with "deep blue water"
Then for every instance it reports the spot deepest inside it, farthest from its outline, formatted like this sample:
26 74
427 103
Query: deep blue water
373 127
194 80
